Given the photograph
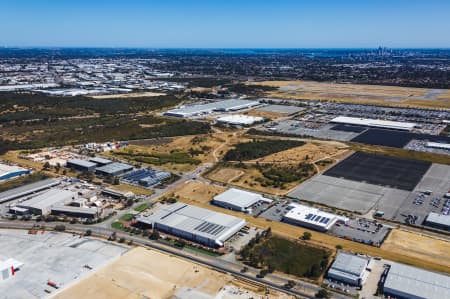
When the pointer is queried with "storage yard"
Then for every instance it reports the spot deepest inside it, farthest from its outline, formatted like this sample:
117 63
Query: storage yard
47 256
401 190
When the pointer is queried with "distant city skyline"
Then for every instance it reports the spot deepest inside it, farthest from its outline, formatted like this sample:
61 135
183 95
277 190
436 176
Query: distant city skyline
225 24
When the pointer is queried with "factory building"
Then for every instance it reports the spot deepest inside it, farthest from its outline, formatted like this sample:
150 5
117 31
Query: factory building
205 109
404 281
27 189
239 120
311 217
350 269
438 221
100 161
72 211
193 223
9 172
43 203
81 165
114 169
375 123
239 200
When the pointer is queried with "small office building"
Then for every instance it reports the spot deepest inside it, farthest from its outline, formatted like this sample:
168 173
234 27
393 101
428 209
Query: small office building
350 268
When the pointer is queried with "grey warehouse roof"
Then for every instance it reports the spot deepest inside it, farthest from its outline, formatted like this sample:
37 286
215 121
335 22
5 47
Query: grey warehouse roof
195 220
209 107
81 163
348 265
239 198
100 160
48 199
27 189
412 281
114 167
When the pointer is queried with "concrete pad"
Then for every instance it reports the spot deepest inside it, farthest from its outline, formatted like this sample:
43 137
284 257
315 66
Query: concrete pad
58 257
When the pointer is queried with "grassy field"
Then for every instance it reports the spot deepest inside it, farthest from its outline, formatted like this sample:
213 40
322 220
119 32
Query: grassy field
394 253
358 93
259 148
287 256
142 207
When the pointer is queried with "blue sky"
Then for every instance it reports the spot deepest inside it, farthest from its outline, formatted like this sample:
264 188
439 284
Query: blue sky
225 23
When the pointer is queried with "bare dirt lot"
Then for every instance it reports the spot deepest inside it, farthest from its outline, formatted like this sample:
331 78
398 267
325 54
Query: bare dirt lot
198 191
360 93
143 273
419 246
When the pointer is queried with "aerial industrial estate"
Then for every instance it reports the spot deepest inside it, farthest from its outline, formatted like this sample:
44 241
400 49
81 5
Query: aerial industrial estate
163 174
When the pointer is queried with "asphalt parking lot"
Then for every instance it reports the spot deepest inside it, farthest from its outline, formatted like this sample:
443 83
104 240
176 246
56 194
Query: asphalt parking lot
362 231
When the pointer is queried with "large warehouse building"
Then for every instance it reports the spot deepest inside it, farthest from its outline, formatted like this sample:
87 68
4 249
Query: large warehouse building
239 120
9 172
404 281
194 223
204 109
81 165
21 191
311 217
375 123
350 269
239 200
114 169
43 203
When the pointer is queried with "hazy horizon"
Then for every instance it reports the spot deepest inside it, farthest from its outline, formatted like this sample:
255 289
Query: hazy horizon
232 24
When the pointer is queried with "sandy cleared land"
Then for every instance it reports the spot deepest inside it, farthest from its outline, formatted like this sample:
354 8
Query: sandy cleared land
360 93
394 252
198 191
266 114
226 174
419 245
129 95
142 273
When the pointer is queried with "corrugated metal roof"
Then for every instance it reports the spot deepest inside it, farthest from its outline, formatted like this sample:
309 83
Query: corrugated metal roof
350 264
48 199
82 163
412 281
210 107
195 220
115 167
27 189
239 198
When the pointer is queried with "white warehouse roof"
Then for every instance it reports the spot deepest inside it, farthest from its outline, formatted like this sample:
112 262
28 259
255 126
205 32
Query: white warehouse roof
411 282
349 267
438 219
388 124
197 221
48 199
227 105
311 217
438 145
239 198
239 119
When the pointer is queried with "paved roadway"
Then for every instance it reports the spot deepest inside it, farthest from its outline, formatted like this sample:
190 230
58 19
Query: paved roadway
273 281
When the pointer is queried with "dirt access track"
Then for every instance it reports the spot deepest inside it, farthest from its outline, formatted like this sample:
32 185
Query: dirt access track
360 93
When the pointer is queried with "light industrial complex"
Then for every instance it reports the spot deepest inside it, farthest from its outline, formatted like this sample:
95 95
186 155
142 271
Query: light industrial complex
193 223
350 268
239 200
205 109
311 217
404 281
376 123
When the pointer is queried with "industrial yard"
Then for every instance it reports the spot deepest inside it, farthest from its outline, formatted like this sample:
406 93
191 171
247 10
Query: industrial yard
59 258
